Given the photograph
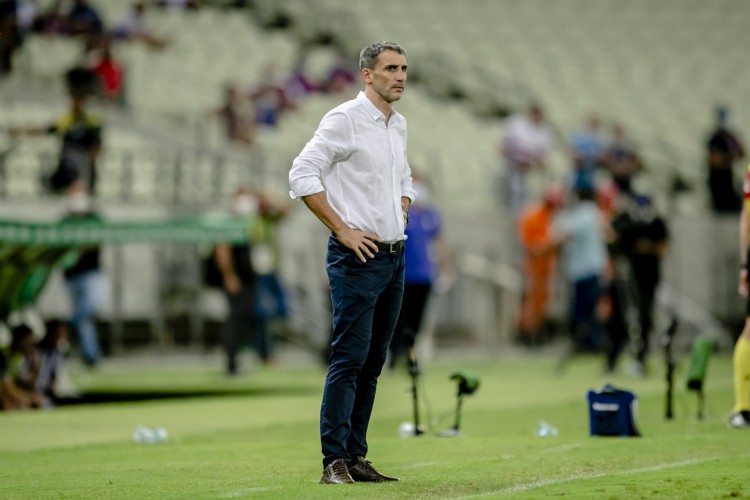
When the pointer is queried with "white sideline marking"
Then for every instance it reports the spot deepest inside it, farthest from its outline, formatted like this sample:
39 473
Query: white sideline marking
247 491
548 482
419 465
423 464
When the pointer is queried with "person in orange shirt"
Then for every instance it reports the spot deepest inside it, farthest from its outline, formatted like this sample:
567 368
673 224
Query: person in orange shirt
539 253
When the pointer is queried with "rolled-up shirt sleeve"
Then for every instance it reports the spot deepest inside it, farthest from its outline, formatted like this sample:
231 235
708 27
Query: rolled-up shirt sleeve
406 178
332 142
406 184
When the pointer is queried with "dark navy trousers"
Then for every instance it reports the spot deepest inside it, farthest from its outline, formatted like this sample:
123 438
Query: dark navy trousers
366 301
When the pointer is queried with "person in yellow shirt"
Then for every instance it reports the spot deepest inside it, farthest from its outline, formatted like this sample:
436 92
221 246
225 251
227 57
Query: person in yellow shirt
740 416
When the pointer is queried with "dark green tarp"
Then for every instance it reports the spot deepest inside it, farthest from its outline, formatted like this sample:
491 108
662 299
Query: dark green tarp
29 251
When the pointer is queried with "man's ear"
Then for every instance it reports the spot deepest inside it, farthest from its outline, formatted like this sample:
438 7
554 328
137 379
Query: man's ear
366 75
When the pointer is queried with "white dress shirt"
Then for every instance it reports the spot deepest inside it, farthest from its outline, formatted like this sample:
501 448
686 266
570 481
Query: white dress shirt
361 165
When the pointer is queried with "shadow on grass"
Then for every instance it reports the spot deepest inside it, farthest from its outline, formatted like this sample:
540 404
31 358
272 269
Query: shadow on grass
128 396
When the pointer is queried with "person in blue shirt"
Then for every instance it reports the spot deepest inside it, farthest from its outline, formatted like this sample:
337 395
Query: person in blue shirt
588 149
426 256
582 234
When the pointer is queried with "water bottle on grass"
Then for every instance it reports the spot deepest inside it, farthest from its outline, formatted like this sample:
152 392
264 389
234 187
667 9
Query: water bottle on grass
144 435
543 429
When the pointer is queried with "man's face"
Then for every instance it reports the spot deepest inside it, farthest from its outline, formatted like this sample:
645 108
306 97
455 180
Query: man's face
388 76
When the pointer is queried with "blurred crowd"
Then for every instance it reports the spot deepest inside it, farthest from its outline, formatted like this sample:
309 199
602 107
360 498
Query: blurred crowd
30 369
262 104
81 20
100 76
605 233
596 229
248 275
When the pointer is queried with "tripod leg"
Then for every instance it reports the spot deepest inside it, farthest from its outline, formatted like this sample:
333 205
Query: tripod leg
670 391
414 372
458 411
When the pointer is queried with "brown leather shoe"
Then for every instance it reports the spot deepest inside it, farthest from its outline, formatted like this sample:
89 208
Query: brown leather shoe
336 473
363 471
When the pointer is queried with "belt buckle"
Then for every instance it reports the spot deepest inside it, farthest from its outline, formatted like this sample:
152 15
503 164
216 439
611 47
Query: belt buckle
390 247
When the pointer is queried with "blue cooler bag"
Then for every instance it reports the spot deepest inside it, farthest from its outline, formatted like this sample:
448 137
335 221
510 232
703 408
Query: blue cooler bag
612 412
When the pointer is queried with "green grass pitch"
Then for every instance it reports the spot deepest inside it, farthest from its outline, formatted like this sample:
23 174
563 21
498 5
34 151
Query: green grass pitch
257 436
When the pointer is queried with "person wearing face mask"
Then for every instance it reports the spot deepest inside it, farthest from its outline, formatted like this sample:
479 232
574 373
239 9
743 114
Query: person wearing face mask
239 283
84 279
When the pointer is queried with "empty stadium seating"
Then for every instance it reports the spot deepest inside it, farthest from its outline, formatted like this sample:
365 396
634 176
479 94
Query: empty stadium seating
659 68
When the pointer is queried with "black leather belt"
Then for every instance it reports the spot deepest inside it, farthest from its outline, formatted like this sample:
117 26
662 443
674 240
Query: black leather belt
390 246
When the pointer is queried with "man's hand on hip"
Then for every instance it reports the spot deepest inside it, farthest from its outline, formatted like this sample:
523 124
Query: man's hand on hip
360 242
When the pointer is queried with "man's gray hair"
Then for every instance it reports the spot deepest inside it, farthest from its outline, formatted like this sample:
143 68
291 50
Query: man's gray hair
370 54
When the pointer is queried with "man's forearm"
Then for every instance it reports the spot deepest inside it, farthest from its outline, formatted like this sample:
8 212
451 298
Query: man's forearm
223 256
318 205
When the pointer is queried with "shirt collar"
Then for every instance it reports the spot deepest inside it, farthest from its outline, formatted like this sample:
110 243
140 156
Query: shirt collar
373 111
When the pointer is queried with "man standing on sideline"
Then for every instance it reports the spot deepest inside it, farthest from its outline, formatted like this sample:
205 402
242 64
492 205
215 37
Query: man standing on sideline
354 176
740 417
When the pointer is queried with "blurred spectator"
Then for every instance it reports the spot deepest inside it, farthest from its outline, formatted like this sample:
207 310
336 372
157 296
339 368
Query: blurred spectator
606 198
84 279
340 77
110 72
641 239
269 98
51 351
84 20
68 18
297 85
11 396
622 160
526 142
581 231
427 261
588 149
9 35
234 262
25 14
80 133
612 304
179 4
740 416
271 297
52 20
535 233
133 27
724 149
236 115
23 367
